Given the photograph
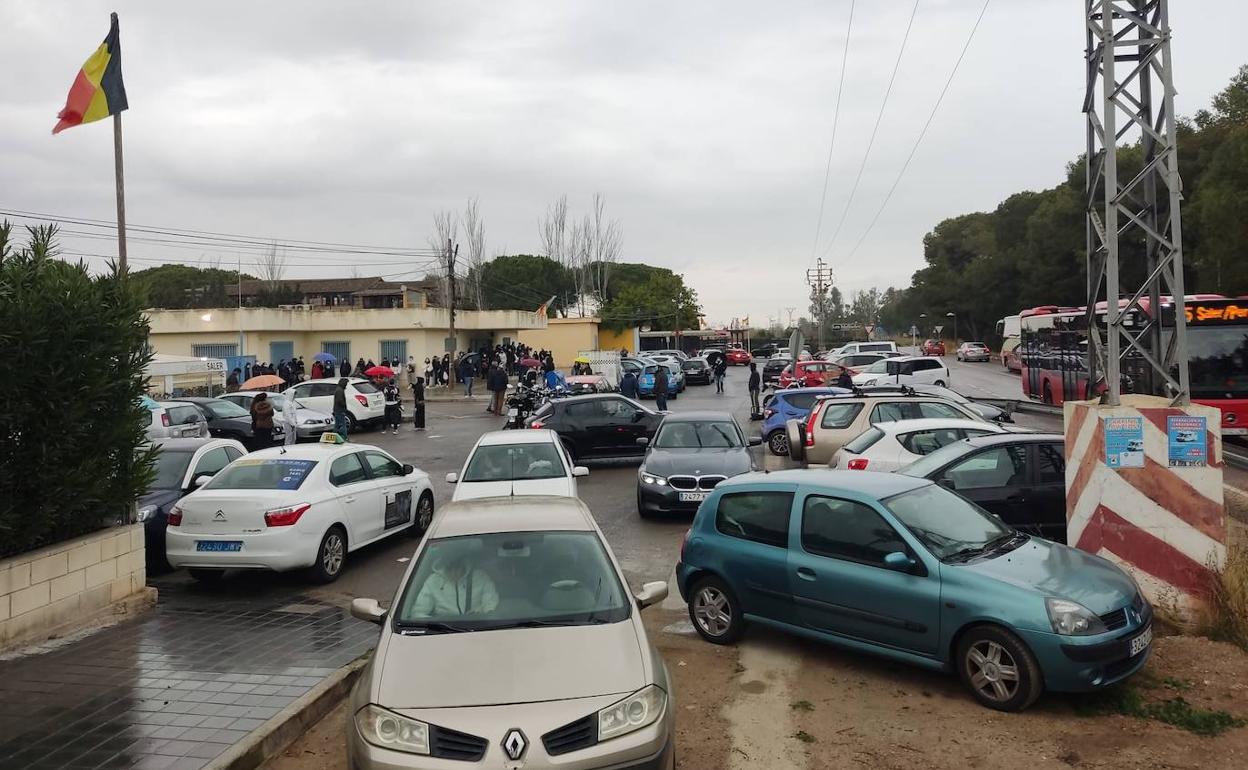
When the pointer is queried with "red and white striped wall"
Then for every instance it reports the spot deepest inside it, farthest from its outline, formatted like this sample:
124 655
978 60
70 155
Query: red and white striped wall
1164 525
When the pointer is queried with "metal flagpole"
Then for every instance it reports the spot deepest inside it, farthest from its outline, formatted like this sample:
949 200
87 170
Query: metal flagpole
121 190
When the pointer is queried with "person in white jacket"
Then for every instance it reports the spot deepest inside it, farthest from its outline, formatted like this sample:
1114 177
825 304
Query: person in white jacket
290 420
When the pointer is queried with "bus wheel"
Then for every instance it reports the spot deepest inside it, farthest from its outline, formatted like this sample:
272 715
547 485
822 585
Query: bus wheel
1047 396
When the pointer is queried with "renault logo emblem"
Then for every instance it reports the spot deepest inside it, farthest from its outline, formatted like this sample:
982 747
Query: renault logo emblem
219 516
515 744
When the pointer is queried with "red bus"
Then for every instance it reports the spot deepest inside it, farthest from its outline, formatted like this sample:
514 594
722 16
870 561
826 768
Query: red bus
1053 350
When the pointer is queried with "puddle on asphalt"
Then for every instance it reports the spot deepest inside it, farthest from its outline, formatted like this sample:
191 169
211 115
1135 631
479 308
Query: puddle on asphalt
680 628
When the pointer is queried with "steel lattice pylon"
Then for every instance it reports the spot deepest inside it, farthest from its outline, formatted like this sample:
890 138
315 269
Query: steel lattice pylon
1130 83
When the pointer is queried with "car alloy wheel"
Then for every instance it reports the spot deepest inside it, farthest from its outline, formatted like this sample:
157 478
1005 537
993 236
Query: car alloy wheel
714 612
778 443
424 514
330 556
993 672
998 668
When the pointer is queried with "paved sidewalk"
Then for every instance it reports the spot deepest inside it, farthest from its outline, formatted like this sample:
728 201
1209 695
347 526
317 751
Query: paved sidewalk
174 688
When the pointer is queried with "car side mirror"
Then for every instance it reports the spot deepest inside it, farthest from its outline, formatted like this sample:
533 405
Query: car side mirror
408 469
201 480
368 609
643 441
651 593
580 470
897 561
946 482
756 440
452 478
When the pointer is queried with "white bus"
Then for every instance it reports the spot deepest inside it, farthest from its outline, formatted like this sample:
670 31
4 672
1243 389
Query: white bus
1010 331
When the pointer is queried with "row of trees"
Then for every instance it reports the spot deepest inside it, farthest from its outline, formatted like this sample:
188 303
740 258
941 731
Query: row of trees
1031 249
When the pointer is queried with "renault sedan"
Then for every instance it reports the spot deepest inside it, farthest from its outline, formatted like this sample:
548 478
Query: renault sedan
512 642
903 568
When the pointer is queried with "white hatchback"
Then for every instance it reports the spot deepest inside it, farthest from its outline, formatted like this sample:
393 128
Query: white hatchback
889 446
365 404
304 506
517 462
911 370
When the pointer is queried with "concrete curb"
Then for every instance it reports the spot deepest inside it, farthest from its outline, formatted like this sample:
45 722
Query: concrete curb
272 737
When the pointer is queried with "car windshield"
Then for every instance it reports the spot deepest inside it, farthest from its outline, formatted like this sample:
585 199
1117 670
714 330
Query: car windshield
514 462
924 466
693 364
171 468
223 409
973 345
697 435
275 473
950 526
511 580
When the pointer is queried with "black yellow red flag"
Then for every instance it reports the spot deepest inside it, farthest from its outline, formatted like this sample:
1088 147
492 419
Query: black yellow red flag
97 92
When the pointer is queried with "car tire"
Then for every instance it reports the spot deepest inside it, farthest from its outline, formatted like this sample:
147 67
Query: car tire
795 433
353 425
939 383
331 556
715 612
778 443
422 517
998 669
206 575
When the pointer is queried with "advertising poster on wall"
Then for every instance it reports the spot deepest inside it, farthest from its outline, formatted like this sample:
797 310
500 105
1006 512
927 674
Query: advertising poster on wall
1124 442
1186 438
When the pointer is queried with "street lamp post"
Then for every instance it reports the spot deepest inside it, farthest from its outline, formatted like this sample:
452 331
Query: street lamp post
914 340
954 316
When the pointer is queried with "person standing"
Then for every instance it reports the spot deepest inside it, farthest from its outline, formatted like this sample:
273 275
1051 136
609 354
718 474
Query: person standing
628 385
290 421
262 421
318 371
721 369
466 374
345 368
231 382
418 409
844 380
755 385
660 388
497 383
394 407
342 421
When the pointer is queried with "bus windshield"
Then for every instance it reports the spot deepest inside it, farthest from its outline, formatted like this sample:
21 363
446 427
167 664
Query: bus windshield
1218 361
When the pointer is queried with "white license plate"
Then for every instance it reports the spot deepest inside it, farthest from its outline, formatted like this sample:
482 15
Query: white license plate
512 412
693 497
218 545
1140 643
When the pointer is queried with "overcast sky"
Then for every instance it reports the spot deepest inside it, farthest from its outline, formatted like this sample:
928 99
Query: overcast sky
705 125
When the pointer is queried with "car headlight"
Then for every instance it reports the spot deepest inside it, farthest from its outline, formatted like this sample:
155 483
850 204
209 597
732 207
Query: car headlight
646 478
1072 619
633 713
388 730
147 512
314 421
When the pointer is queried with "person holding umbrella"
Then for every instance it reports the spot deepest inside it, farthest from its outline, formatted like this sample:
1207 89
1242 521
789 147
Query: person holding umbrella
262 420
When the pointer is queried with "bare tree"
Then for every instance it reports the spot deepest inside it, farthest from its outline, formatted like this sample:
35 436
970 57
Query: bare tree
553 230
445 233
580 246
474 232
272 265
608 241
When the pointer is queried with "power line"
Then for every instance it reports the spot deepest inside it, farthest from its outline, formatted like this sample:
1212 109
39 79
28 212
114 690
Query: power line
836 117
423 265
922 133
875 130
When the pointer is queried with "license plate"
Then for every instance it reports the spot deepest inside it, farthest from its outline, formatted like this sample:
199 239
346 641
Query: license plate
218 545
1140 643
512 412
693 497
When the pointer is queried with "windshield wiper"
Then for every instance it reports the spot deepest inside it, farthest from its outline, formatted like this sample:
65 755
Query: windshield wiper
540 623
408 629
978 550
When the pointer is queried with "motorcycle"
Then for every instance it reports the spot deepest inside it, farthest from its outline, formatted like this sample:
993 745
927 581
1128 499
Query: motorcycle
521 403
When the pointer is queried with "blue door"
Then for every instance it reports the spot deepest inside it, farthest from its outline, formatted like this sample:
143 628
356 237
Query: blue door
754 551
841 586
283 350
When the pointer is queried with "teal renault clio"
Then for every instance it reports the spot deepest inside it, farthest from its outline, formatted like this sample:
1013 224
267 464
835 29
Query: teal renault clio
901 567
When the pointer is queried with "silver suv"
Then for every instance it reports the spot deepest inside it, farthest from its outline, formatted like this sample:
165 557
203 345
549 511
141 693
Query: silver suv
169 419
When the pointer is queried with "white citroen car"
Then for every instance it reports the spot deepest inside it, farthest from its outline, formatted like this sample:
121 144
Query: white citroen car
513 642
517 462
889 446
300 507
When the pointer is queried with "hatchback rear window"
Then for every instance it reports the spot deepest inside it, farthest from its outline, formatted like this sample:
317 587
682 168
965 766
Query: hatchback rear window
364 387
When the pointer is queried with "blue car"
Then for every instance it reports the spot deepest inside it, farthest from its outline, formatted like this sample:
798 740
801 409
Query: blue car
903 568
645 382
788 404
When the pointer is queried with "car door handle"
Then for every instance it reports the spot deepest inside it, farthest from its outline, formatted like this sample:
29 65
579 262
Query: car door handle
805 573
349 499
1016 498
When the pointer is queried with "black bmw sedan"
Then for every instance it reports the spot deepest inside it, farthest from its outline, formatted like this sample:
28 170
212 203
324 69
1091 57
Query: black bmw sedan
690 454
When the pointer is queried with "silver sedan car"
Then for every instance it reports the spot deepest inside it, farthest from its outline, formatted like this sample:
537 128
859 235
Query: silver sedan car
312 423
513 642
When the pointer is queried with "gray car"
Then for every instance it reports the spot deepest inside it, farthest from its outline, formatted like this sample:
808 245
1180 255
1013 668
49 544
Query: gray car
312 422
513 641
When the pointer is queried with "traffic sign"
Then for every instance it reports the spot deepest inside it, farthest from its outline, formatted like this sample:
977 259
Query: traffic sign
869 328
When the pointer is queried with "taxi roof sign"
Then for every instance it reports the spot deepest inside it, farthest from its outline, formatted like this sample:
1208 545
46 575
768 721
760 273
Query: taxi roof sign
330 437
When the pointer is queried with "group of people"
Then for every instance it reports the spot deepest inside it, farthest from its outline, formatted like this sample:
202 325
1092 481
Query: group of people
291 372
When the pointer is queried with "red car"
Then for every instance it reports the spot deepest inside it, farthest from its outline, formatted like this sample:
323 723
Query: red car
738 356
933 348
810 374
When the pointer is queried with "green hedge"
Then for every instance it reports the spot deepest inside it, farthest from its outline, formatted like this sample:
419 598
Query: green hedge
73 348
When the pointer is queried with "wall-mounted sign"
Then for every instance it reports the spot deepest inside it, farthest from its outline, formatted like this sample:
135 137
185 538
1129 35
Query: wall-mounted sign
1124 442
1187 437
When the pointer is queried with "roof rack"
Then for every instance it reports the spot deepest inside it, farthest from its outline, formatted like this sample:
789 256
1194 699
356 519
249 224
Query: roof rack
859 391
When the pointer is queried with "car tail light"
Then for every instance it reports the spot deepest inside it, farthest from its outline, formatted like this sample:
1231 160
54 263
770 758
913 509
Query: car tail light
767 413
285 517
684 542
164 419
363 401
811 422
175 517
537 424
858 464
